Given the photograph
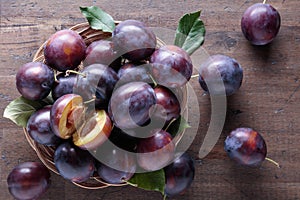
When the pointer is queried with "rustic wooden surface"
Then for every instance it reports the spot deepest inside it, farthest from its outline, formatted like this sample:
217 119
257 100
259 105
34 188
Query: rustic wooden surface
267 101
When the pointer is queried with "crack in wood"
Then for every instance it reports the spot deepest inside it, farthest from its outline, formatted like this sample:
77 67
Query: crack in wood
17 25
293 93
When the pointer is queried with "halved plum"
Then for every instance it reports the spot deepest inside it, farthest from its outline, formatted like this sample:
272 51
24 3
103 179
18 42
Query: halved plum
94 132
66 115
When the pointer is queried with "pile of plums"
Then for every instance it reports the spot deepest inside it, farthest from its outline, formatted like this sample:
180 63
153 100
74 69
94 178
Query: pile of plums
114 99
124 90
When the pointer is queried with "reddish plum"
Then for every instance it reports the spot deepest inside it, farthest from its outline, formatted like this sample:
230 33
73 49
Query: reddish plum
102 52
64 50
246 147
171 66
155 152
260 23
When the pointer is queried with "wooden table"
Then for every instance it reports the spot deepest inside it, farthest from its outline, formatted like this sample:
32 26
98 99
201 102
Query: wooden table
268 100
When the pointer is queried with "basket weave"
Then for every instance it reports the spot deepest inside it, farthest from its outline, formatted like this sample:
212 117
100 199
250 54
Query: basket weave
46 153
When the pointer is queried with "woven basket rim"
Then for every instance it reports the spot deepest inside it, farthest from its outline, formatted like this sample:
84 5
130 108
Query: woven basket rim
46 153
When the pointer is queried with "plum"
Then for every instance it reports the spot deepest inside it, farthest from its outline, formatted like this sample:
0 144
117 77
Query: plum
64 85
96 82
29 180
134 72
246 147
179 174
130 105
102 52
64 50
220 72
134 40
155 152
168 106
34 80
38 127
115 165
260 23
73 163
171 66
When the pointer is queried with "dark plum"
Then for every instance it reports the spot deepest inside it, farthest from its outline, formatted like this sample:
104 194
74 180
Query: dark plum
122 140
34 80
260 23
134 40
168 106
115 165
113 176
38 127
73 163
171 66
102 52
179 175
132 72
64 85
246 147
97 82
220 71
29 180
130 105
155 152
64 50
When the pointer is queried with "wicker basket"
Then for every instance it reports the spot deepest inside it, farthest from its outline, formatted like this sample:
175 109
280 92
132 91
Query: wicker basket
46 153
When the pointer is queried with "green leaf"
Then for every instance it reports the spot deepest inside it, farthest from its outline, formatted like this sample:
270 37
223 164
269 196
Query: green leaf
177 126
190 32
98 19
154 181
20 109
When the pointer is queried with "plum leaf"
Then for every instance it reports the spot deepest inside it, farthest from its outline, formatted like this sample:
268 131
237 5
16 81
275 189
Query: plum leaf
154 181
98 19
190 32
177 126
20 109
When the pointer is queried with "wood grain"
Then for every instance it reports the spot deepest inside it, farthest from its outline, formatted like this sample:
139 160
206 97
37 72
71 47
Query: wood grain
268 100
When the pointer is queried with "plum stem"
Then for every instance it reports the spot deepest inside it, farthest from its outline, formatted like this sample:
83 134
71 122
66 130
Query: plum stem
171 122
264 1
68 72
165 197
55 76
273 162
132 184
89 101
195 76
155 83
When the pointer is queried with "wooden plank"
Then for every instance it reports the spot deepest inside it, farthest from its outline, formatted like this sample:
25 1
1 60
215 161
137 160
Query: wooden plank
267 101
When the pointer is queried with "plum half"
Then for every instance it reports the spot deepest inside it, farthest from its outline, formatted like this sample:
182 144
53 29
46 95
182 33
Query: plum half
94 132
66 114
